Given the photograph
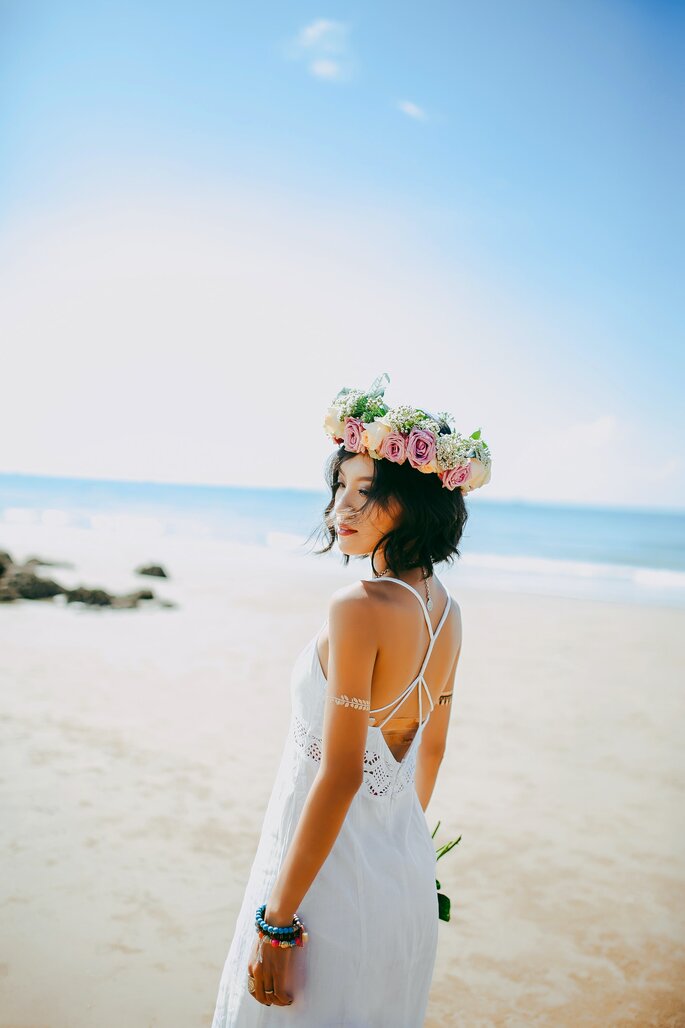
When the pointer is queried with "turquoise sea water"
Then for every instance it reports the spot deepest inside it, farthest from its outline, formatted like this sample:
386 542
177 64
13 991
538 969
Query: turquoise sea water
630 555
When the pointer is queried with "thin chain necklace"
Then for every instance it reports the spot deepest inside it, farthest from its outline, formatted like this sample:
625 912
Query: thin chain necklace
429 602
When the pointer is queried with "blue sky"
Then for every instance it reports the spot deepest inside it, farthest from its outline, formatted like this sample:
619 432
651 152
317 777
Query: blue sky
509 171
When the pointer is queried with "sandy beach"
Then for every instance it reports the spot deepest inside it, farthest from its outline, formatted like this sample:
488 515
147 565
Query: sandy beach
133 791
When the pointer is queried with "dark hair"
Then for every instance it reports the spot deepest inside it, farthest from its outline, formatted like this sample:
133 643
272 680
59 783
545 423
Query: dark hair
432 517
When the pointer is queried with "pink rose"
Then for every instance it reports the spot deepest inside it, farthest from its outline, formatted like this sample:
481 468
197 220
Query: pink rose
353 435
420 447
455 476
393 447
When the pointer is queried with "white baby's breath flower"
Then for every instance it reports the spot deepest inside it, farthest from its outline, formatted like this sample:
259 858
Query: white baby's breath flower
347 404
481 452
403 418
431 425
452 450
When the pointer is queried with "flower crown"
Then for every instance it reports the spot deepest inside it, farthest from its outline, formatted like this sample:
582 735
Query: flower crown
365 424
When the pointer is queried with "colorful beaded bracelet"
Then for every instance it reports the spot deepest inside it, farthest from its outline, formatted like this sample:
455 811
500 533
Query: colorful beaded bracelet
287 935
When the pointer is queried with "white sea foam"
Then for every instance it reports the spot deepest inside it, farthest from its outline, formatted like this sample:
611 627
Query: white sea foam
285 541
556 567
55 517
579 579
659 578
21 516
129 525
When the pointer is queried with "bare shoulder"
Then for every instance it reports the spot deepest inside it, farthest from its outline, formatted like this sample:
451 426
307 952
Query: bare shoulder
354 608
352 631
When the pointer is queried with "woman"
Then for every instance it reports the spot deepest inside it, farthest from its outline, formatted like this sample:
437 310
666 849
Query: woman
339 921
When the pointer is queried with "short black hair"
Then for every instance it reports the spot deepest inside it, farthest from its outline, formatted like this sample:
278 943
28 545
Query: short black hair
430 526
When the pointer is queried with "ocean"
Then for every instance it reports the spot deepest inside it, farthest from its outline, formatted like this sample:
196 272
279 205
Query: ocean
613 554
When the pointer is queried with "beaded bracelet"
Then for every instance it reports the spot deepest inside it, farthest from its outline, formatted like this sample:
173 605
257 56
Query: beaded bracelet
288 935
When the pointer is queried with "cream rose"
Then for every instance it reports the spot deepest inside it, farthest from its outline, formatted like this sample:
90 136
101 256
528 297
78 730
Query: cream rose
480 475
431 466
373 435
333 424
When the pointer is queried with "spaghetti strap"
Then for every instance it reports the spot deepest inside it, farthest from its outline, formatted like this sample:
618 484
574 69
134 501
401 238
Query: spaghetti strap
419 680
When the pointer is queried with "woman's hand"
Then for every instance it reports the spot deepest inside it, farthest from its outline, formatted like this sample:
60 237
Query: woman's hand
270 967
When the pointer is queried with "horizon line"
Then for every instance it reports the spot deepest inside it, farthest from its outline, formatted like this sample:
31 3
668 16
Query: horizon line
567 504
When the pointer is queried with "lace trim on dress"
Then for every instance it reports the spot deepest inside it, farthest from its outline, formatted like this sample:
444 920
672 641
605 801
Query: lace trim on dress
380 771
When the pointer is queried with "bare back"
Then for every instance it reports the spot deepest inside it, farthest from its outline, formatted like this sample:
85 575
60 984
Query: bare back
403 641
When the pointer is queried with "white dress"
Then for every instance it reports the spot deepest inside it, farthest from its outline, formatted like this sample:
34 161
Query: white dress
372 910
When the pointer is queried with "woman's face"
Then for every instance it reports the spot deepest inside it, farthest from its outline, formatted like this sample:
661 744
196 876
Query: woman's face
354 480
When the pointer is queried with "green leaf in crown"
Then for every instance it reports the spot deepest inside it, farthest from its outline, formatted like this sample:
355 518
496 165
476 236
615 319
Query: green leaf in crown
377 387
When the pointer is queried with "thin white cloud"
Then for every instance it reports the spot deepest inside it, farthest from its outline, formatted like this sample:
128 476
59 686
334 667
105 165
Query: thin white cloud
324 34
412 110
324 47
324 68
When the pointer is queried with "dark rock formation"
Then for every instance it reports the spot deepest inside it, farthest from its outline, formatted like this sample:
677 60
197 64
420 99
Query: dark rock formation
6 562
93 597
152 569
20 582
133 599
7 591
29 586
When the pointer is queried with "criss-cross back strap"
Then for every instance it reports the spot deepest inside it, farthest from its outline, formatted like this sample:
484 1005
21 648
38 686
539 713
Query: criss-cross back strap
419 680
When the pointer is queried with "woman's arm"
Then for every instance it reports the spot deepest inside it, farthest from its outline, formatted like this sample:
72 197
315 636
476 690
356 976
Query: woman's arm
427 768
322 818
352 651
